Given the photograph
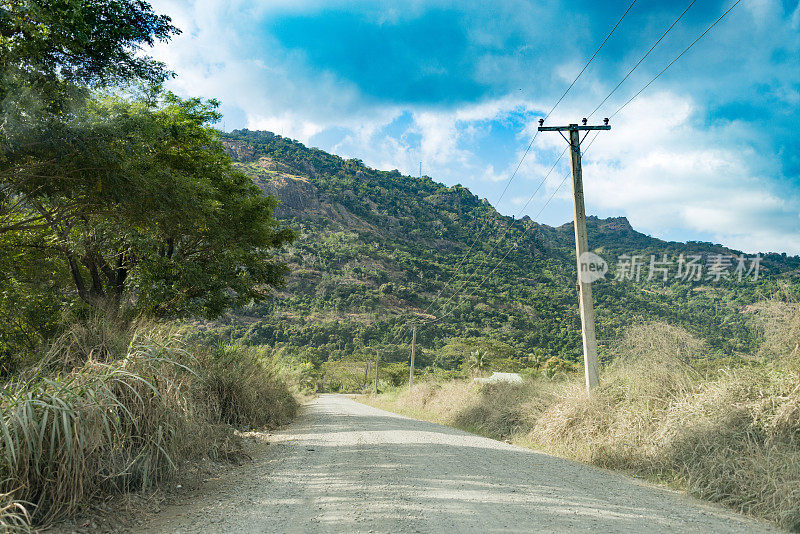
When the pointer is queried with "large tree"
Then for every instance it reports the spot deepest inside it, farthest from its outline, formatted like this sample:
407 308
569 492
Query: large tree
111 200
149 209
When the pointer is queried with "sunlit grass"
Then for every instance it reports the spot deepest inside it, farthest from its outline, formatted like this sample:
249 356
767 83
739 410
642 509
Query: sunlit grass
728 434
124 421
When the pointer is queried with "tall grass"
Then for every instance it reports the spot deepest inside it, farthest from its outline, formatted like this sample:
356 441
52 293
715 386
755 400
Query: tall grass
243 387
726 434
13 515
114 411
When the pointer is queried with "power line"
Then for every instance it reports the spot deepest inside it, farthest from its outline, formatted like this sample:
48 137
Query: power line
643 58
588 62
508 228
663 35
587 148
499 263
527 150
657 76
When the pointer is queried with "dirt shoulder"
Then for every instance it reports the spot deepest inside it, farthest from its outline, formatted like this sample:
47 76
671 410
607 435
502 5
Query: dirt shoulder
348 467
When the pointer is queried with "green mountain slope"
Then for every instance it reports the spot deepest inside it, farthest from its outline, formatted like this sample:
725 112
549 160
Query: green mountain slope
378 249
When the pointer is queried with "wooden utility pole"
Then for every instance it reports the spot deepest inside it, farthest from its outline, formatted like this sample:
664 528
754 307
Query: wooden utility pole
413 353
377 362
590 363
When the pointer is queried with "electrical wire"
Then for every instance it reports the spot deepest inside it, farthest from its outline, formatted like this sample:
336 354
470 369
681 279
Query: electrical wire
614 114
499 263
657 76
508 228
522 159
527 150
642 58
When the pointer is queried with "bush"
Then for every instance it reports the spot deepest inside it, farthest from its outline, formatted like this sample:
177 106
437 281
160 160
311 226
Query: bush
120 422
346 376
242 387
728 434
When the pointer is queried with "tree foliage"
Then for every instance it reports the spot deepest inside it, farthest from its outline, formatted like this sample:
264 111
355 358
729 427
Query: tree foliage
83 42
114 197
146 199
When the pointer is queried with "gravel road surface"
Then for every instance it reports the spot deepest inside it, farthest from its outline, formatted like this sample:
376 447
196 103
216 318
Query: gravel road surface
347 467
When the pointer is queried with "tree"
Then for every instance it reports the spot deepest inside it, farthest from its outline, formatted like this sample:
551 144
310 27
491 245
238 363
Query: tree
473 353
51 43
145 207
135 195
51 53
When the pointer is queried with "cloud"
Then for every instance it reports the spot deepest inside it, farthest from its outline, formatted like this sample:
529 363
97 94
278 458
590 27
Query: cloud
708 151
665 172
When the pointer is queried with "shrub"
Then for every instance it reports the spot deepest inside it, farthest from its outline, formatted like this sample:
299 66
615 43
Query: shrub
242 387
779 324
346 376
727 431
120 422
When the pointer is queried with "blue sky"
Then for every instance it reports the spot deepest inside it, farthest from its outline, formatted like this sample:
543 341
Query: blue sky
707 152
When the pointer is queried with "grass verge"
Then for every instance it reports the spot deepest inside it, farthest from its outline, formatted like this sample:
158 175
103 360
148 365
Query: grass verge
108 411
727 434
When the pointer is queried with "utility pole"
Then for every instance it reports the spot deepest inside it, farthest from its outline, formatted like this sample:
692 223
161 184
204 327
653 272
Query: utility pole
413 352
590 363
377 362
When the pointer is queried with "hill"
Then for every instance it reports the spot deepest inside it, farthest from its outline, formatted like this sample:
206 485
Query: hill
377 251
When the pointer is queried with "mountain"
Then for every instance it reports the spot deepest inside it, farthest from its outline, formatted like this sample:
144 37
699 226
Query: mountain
378 250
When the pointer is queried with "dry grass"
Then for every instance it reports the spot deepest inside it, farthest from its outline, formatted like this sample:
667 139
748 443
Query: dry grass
730 436
779 323
243 388
73 430
13 515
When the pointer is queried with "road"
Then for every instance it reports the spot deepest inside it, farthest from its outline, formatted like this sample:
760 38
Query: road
347 467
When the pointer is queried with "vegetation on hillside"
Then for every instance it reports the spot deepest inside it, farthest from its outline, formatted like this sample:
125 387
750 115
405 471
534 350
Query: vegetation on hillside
377 250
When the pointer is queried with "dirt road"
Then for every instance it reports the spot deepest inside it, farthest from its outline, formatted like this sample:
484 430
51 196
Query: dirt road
346 467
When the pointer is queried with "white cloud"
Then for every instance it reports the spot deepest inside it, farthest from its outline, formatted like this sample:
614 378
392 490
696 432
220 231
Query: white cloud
665 172
665 164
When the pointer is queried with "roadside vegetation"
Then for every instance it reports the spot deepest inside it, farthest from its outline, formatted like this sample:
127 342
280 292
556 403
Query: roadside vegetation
121 216
151 304
727 431
111 410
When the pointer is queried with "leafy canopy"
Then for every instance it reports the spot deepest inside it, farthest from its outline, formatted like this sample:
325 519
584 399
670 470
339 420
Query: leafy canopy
81 41
145 205
120 200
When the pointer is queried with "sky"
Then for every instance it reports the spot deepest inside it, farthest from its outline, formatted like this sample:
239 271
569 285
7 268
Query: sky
707 152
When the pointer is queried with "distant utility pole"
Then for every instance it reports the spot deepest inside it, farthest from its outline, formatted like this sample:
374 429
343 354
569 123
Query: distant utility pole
413 352
590 362
377 362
